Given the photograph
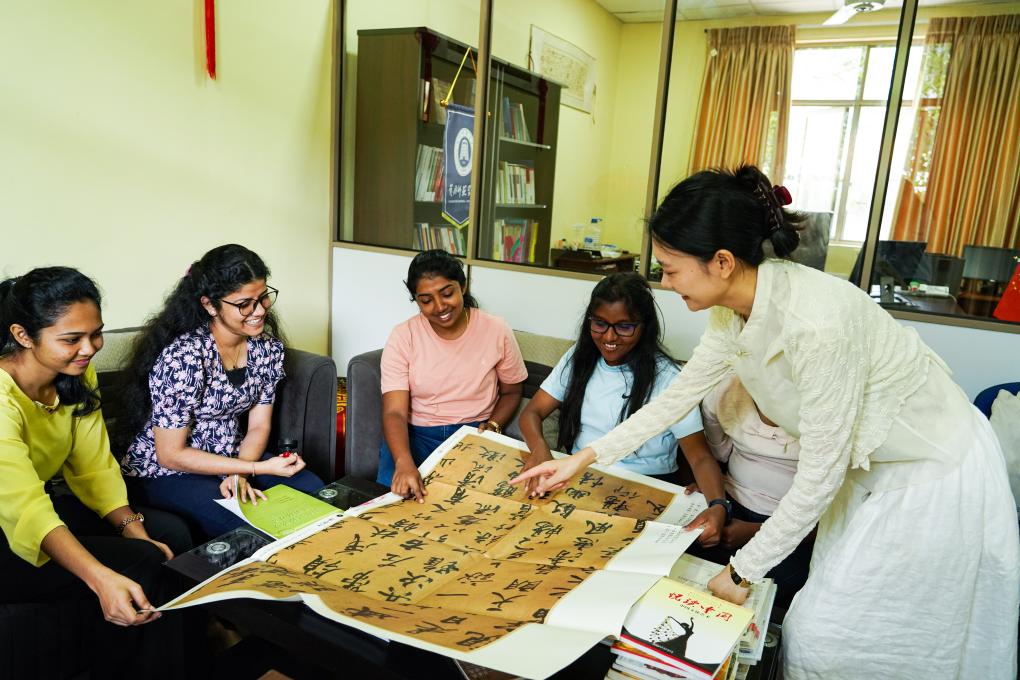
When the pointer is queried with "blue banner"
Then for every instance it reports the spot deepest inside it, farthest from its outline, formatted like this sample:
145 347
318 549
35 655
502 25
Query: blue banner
458 159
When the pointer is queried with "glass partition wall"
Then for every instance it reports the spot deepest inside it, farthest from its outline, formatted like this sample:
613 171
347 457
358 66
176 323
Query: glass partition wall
922 201
802 100
948 242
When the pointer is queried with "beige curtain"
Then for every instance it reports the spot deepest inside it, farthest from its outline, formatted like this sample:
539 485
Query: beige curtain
744 111
961 185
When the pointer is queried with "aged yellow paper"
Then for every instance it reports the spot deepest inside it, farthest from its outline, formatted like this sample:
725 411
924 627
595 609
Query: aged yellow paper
479 570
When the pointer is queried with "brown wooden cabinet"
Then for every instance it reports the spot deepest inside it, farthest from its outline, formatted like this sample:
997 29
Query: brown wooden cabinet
401 75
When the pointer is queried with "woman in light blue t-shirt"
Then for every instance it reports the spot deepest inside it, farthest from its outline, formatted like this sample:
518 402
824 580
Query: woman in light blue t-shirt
617 365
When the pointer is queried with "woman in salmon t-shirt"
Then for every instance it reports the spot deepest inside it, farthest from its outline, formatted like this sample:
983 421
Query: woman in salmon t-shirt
449 365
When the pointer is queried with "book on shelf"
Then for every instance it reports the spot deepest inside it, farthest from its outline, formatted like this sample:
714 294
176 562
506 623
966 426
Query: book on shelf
516 184
514 239
439 237
698 572
428 174
683 630
515 126
423 98
440 91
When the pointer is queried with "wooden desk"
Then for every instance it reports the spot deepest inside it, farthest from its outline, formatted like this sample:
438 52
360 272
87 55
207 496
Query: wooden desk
978 304
921 303
582 261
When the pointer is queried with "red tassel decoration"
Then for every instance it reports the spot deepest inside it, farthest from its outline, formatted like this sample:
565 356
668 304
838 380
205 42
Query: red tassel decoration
210 38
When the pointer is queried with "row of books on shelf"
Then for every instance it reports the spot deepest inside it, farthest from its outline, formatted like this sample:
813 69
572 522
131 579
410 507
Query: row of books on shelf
428 174
514 239
514 124
439 237
516 184
680 630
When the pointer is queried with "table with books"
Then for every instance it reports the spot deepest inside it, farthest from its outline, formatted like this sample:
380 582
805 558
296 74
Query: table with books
480 575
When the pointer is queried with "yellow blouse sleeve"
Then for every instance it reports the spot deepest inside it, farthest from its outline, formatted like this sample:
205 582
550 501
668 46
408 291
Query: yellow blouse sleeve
90 470
26 511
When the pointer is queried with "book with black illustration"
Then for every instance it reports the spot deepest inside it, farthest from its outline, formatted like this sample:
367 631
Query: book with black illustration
684 627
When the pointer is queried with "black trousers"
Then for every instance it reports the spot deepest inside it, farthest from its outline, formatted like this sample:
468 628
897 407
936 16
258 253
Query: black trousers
151 650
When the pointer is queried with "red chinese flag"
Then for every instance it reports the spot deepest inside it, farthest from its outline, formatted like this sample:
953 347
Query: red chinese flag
1008 308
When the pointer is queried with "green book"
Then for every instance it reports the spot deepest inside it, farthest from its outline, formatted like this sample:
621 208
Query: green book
285 510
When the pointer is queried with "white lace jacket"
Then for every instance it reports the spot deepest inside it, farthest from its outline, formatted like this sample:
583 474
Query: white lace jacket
822 360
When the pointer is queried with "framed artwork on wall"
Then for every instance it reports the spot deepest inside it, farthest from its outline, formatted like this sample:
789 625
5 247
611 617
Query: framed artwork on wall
566 63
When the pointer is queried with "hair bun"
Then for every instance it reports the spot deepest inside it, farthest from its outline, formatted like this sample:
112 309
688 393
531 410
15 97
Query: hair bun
784 239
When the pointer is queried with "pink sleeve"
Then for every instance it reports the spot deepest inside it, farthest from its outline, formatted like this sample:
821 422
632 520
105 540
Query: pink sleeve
396 361
511 369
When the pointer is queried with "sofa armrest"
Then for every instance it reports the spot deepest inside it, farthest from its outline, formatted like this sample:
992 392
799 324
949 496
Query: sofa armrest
305 410
364 415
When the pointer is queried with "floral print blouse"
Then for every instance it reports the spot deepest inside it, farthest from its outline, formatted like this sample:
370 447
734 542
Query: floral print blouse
190 389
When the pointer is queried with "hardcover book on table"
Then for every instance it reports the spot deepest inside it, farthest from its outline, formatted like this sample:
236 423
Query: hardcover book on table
685 628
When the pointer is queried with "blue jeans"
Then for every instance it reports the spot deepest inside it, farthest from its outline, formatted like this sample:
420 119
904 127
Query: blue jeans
424 439
192 497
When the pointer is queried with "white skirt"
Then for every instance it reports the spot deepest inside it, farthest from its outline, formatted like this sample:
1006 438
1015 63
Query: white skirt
916 582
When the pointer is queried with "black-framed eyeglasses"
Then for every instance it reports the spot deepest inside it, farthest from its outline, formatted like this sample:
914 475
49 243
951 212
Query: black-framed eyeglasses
247 307
624 329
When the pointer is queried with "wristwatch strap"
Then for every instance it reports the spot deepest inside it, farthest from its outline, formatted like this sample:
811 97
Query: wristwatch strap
727 506
738 580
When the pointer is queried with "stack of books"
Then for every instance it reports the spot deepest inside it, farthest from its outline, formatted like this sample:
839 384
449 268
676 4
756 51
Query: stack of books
428 174
442 237
514 125
516 185
677 630
698 572
514 240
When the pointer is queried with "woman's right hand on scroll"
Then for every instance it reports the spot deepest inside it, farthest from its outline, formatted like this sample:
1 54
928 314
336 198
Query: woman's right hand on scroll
407 482
286 465
553 475
535 459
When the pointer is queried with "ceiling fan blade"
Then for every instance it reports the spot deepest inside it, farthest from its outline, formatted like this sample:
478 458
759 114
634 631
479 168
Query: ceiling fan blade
841 16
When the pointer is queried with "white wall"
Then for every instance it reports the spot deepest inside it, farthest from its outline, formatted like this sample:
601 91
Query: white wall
553 305
978 359
369 299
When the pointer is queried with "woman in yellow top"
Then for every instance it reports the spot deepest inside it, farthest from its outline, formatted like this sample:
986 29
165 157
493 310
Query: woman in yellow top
56 547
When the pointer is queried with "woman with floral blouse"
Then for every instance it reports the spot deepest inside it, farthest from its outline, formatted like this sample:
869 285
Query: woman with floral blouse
212 356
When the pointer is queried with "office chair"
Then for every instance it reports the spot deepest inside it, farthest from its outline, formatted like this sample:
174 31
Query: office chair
814 241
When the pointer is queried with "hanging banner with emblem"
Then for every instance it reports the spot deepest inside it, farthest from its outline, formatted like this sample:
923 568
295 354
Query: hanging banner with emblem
458 155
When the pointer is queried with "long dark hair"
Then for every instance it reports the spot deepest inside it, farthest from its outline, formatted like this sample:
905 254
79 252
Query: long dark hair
219 273
35 301
716 210
642 360
429 263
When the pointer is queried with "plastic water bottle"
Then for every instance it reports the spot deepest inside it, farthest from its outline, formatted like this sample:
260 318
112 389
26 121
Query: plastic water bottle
593 235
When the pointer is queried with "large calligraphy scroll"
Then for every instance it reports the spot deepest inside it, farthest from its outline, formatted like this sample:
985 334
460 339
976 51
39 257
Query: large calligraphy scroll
479 571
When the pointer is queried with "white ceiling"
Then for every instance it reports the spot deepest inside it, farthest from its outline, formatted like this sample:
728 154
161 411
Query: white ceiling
637 11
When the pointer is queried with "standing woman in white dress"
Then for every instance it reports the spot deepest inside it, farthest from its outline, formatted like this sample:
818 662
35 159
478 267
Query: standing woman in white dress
916 565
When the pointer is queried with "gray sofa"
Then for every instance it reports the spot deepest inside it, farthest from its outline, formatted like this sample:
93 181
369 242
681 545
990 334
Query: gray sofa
364 400
305 410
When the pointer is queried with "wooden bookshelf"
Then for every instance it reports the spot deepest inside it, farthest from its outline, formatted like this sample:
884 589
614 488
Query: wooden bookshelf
393 119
